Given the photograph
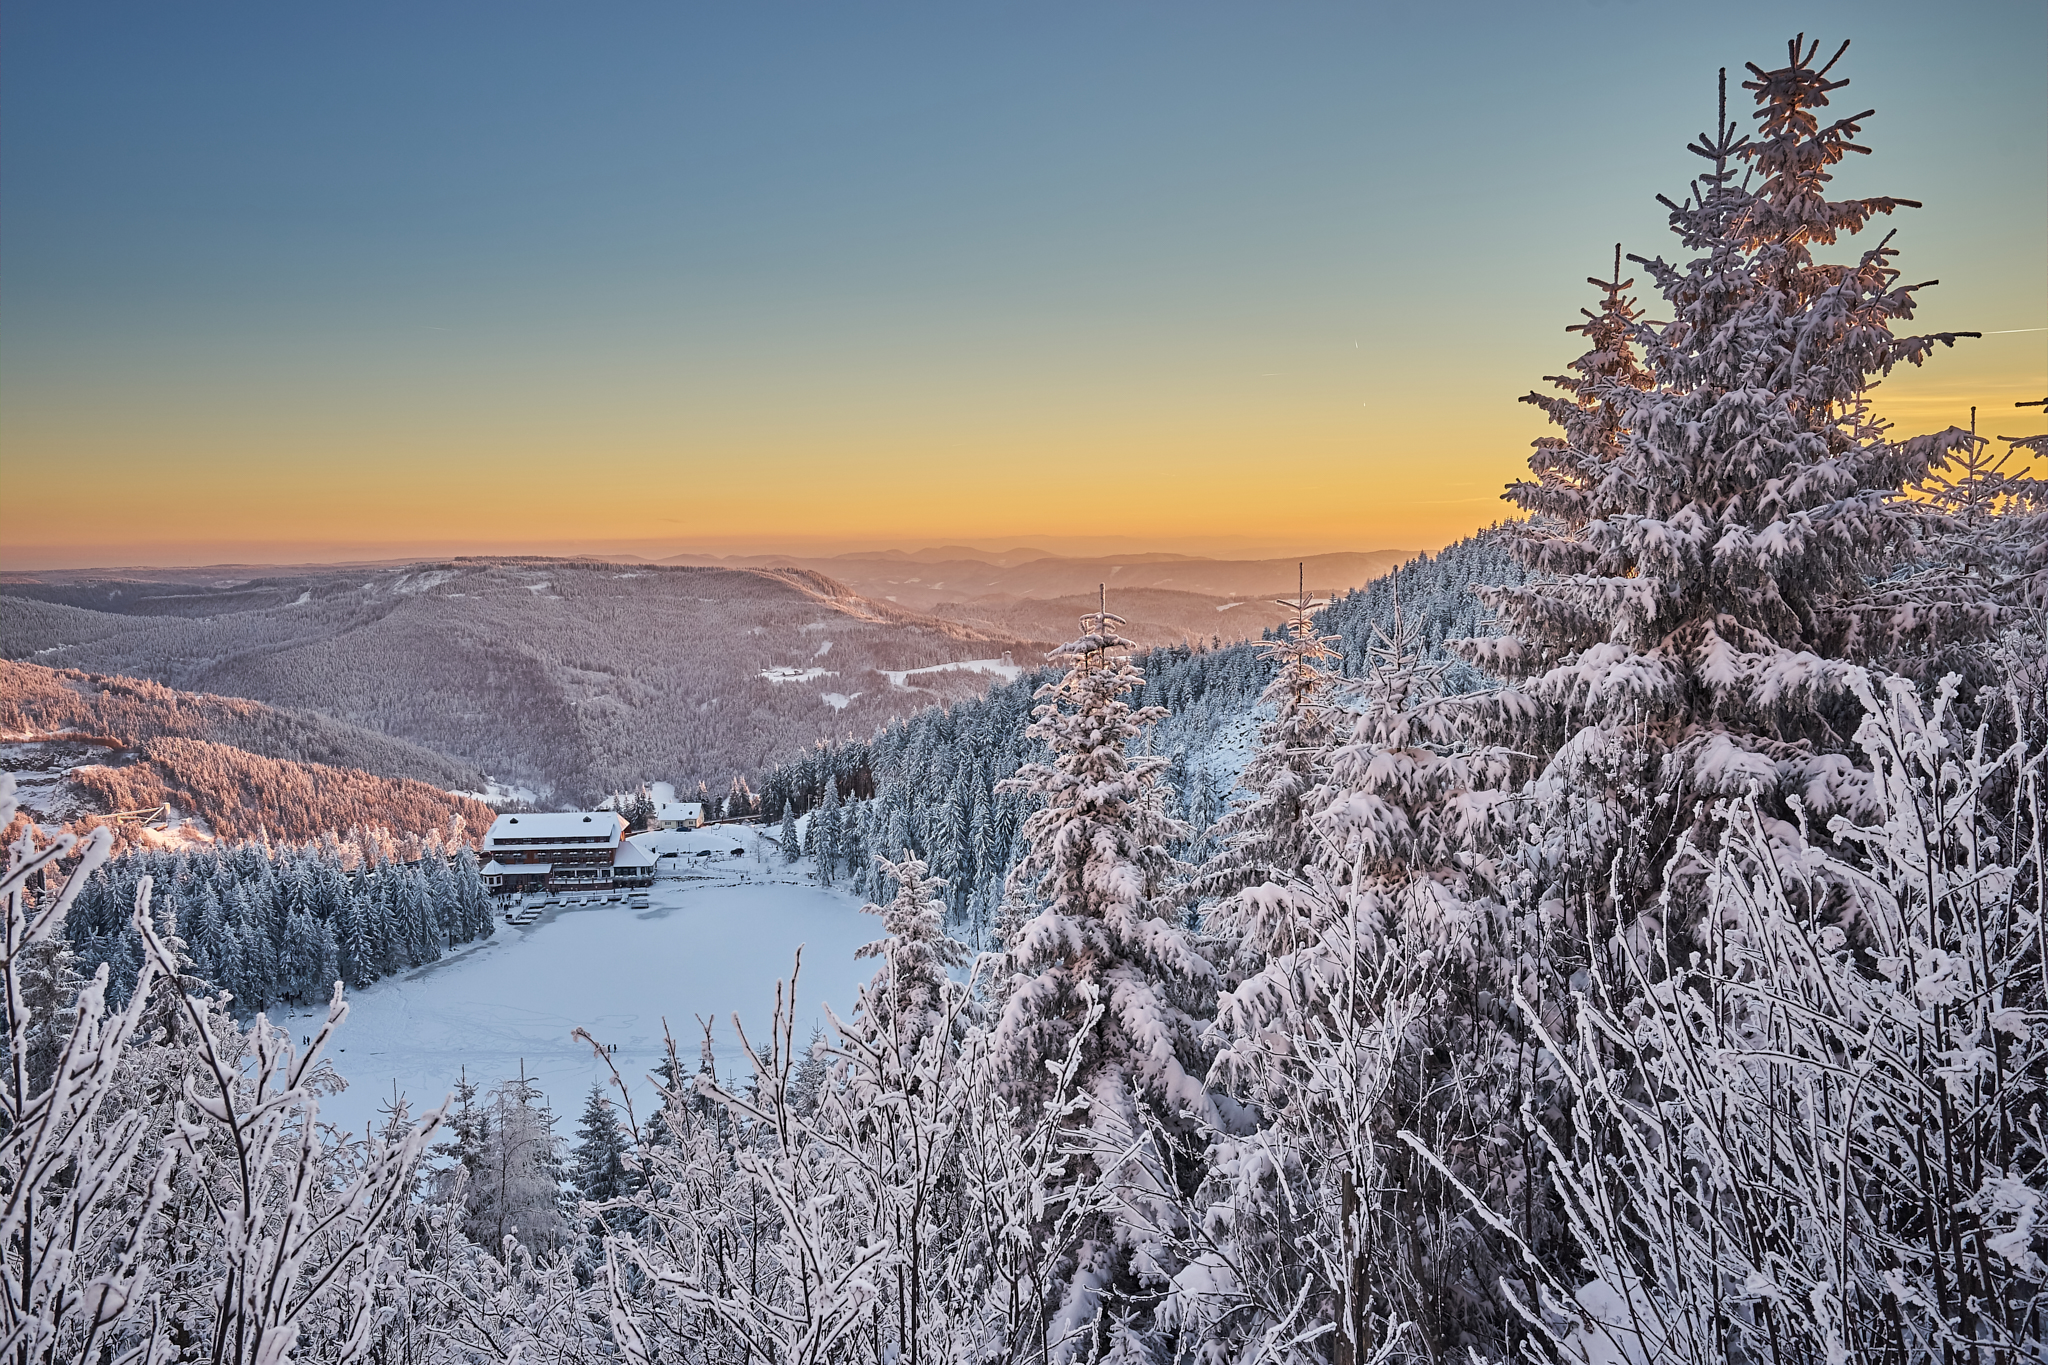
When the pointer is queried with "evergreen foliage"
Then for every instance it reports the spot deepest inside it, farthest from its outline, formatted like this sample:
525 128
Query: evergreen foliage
1714 515
271 923
1100 933
906 997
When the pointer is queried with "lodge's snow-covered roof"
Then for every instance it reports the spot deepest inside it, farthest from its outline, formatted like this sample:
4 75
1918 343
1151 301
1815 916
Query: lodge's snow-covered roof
599 827
631 854
494 868
679 810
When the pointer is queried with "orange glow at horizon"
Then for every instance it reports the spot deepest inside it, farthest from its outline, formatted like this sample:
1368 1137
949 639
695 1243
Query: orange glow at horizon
658 279
1279 469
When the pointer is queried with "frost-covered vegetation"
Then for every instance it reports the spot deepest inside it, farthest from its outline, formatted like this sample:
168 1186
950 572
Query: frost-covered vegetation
275 924
1657 975
933 782
41 701
243 769
245 796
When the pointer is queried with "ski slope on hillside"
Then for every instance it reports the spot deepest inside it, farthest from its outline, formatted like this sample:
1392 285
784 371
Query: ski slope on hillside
716 934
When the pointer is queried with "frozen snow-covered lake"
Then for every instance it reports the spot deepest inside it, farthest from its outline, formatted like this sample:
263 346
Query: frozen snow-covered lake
714 938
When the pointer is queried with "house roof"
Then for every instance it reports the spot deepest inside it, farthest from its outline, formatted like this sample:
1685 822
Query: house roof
679 810
597 827
631 854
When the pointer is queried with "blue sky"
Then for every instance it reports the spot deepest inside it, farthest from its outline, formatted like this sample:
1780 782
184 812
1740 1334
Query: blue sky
277 276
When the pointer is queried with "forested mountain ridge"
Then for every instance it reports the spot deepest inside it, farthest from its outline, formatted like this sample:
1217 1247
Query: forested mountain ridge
35 700
85 746
241 795
571 678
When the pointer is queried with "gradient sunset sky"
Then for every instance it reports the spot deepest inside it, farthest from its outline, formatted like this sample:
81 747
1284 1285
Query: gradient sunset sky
283 283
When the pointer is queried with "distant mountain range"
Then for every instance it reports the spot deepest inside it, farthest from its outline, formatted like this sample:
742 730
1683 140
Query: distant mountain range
565 680
1166 598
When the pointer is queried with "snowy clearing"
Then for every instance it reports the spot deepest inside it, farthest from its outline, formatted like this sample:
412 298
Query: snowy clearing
714 937
797 675
497 793
1008 672
411 585
838 701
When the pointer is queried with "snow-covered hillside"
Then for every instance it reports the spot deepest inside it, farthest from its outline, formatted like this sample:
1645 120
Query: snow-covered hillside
930 782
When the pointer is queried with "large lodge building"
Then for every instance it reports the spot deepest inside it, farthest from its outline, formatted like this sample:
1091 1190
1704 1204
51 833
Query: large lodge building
563 851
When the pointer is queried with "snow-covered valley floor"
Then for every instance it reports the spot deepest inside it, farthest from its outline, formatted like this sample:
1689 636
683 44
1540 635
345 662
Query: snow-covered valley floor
715 936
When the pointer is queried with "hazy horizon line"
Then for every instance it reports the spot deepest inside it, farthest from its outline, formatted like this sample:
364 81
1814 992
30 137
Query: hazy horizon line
276 555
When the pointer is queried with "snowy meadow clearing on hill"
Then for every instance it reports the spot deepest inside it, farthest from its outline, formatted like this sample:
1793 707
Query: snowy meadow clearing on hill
716 934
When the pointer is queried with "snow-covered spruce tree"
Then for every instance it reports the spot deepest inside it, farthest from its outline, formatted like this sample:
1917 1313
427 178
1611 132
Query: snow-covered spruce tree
1267 842
517 1192
46 969
2031 585
906 997
600 1178
1708 530
597 1166
1812 1132
786 838
1980 535
1978 523
822 834
1102 931
1378 1011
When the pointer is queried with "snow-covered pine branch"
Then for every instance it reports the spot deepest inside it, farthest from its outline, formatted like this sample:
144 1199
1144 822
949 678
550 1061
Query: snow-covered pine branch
1814 1132
169 1186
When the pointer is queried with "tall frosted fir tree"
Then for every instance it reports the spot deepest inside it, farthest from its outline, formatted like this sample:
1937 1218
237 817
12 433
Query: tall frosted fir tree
1269 836
2031 584
1102 931
1360 1011
1590 407
824 833
785 838
907 994
1982 521
1708 526
1267 842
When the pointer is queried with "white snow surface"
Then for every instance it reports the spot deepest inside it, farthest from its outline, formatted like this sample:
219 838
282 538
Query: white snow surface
784 675
500 794
716 935
1008 672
